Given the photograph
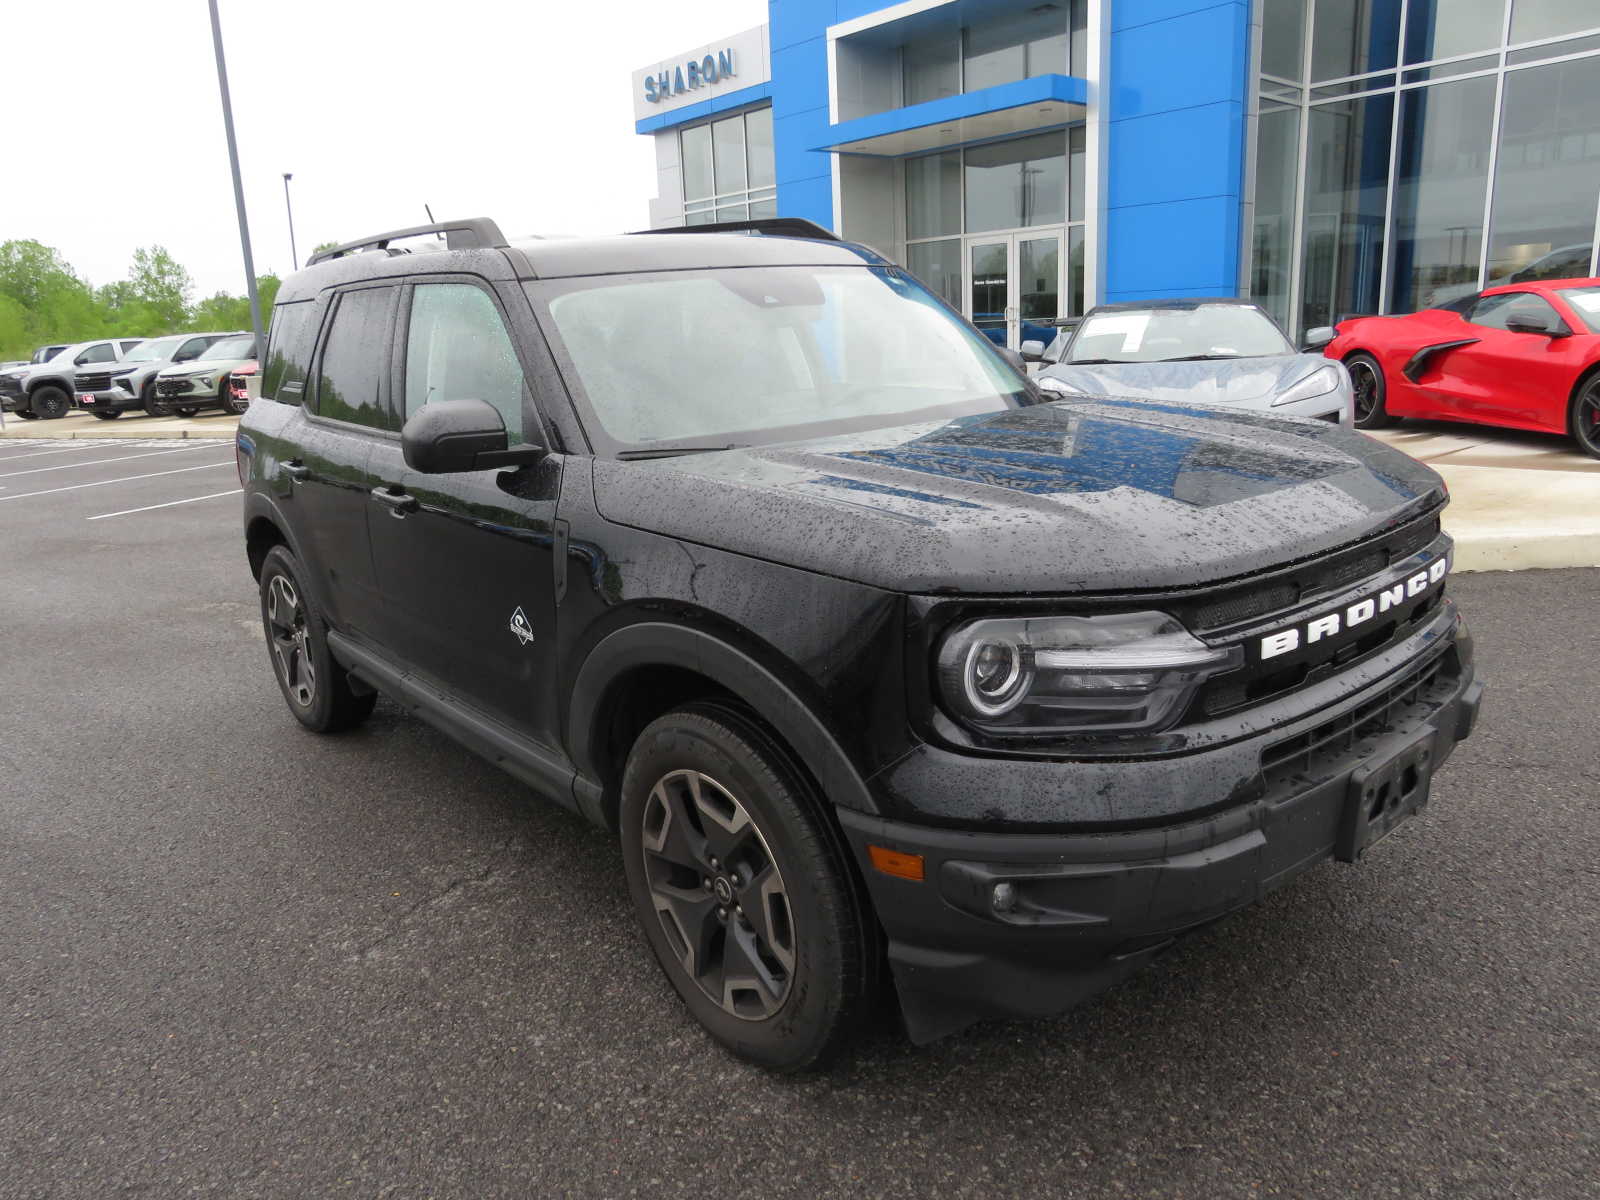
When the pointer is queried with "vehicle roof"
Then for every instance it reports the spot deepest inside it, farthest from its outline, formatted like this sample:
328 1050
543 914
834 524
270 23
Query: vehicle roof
1541 285
558 258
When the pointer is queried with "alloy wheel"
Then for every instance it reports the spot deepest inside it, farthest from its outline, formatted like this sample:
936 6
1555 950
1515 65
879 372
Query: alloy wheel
1586 419
718 894
1364 381
286 620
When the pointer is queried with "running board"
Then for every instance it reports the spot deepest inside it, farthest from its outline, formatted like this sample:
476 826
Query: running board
513 753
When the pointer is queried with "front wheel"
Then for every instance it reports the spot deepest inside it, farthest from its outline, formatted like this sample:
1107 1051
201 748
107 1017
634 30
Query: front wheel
49 403
742 890
1584 419
153 403
106 414
186 410
1371 392
317 690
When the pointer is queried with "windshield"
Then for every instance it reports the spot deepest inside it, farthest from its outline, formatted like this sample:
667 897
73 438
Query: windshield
234 347
1143 335
1585 302
767 354
45 353
153 350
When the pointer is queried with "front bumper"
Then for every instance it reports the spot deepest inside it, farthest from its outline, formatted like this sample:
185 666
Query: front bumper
1079 912
106 399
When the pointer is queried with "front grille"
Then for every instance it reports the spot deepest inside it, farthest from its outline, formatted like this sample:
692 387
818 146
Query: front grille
172 387
98 381
1321 749
1304 583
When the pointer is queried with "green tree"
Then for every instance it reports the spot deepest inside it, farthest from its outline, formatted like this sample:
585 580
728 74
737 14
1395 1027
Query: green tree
162 286
47 299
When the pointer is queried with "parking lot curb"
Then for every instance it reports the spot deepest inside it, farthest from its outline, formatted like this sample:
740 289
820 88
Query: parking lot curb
183 430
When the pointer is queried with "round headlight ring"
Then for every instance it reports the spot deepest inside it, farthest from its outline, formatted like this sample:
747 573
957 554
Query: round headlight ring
995 676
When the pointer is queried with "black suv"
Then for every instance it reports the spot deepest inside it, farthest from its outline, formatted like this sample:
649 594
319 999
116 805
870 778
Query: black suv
740 543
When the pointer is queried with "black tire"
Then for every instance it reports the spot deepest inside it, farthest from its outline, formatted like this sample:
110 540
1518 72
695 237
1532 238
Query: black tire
804 949
152 403
1371 392
1583 417
106 414
316 689
49 403
186 410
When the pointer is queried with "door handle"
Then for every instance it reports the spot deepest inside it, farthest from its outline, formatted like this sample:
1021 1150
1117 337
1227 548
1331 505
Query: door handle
296 470
398 503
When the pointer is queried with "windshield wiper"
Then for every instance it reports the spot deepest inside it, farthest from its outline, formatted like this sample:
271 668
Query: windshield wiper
1090 362
671 449
1204 358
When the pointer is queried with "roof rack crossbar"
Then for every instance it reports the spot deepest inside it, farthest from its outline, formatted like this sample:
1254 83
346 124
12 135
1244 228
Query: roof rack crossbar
475 233
776 226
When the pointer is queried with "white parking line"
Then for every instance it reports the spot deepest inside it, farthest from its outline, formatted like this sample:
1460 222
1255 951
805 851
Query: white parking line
129 511
96 462
42 453
227 462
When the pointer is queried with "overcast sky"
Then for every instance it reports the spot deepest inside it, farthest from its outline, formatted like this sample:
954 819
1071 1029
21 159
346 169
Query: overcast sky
517 111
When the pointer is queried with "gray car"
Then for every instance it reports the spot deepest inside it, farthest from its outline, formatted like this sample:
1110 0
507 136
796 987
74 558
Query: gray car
1221 352
44 387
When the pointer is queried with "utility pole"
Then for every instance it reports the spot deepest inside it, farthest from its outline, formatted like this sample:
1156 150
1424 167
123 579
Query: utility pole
238 186
294 256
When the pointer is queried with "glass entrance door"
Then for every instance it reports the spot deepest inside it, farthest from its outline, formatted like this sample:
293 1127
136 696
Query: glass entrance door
1014 286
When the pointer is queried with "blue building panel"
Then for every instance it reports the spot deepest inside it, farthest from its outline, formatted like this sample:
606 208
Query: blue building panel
1175 160
800 93
706 108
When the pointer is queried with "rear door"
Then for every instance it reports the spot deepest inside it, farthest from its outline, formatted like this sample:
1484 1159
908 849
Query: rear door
465 560
346 414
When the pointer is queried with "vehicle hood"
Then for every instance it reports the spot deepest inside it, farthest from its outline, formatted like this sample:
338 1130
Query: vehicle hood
1092 495
1231 381
211 366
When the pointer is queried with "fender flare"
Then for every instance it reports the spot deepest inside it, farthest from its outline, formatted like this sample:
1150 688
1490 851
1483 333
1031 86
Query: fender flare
658 643
258 504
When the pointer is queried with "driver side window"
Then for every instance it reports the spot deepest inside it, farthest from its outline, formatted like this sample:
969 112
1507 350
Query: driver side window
1492 312
457 348
98 353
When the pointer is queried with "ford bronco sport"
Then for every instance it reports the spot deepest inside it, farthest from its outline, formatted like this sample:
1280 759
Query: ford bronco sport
886 670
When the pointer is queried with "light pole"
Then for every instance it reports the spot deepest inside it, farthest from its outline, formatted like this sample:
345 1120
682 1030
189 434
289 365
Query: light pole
294 257
238 187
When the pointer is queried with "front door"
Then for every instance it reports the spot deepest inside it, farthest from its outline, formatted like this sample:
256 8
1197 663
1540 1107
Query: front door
465 561
1014 286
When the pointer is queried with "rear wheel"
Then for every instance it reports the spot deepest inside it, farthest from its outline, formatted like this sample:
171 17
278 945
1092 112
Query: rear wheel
1371 392
317 690
49 402
1584 418
742 892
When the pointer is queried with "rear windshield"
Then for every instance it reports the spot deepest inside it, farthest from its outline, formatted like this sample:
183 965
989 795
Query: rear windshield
755 355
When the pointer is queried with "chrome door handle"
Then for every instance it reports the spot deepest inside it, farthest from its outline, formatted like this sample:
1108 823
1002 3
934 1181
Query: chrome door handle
398 503
296 470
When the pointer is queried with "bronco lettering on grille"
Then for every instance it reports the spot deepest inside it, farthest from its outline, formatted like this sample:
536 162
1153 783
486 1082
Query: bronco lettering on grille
1328 624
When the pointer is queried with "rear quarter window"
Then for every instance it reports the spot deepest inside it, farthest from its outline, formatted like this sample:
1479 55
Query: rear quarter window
290 339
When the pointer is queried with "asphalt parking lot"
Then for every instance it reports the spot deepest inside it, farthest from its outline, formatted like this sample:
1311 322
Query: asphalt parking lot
240 960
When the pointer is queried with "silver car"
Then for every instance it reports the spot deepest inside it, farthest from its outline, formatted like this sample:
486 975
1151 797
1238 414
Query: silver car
1213 351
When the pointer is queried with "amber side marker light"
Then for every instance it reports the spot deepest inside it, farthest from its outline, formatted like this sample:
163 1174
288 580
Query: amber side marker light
897 863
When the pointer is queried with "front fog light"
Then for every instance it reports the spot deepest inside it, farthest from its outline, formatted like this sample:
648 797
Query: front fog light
1130 672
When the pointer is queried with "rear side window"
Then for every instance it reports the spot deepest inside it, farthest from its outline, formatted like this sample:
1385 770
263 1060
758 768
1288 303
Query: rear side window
457 348
355 360
289 342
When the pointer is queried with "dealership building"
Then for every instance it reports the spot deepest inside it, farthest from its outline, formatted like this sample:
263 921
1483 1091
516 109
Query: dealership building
1030 159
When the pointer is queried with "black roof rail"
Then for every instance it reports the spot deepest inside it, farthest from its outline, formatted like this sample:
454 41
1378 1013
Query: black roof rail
776 226
474 233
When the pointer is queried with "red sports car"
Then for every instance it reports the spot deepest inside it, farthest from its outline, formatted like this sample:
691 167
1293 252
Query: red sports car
1524 355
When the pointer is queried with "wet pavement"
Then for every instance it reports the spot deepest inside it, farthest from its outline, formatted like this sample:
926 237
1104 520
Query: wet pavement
241 960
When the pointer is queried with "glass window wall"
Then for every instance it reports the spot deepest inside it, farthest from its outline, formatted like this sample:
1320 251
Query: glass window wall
1386 186
933 195
1046 39
728 169
1016 183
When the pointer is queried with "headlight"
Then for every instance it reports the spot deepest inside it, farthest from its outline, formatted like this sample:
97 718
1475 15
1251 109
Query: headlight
1049 383
120 372
1319 383
1132 672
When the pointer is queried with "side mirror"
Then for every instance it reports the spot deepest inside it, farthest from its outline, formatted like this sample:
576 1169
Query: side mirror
1540 323
449 436
1015 359
1318 338
1032 350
